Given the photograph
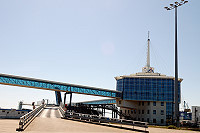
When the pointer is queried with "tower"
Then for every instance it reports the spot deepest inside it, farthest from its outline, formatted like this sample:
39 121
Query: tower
147 68
148 94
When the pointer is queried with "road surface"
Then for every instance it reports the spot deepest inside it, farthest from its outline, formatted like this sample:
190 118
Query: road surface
49 121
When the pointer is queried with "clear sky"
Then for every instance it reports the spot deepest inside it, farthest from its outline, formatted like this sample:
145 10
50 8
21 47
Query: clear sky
89 42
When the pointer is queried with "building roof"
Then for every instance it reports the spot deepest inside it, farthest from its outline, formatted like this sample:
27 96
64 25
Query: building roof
147 75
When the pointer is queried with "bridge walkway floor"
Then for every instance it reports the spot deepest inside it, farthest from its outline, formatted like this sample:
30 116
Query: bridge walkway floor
49 121
9 126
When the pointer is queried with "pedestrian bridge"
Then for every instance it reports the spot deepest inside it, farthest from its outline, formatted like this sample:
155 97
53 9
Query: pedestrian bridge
50 121
20 81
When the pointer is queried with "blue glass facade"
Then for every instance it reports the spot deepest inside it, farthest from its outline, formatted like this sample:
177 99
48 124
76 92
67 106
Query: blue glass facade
147 89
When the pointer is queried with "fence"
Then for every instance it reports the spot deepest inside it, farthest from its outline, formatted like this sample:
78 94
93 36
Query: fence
29 117
101 119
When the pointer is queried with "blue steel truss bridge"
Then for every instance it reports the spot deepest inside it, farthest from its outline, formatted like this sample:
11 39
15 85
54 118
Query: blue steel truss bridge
58 87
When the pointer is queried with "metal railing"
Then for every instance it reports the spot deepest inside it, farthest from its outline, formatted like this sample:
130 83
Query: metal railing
101 119
29 117
62 111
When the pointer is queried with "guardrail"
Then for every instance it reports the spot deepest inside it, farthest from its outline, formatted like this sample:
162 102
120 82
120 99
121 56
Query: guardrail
62 111
29 117
101 119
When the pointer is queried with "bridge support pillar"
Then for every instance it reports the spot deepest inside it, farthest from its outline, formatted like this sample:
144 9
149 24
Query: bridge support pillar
65 98
70 101
58 97
112 114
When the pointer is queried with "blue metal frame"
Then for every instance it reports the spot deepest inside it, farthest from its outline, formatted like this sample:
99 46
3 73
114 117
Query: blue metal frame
104 101
56 86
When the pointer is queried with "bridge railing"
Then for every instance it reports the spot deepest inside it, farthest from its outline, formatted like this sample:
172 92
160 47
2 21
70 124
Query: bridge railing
102 119
29 117
62 111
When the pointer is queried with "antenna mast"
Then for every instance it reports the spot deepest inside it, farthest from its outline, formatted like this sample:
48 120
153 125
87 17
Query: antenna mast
148 52
147 68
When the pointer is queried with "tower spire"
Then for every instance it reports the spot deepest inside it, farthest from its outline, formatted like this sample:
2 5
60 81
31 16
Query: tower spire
148 52
147 68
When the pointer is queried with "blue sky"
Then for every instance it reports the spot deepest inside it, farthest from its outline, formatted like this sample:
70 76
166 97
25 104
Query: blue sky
89 42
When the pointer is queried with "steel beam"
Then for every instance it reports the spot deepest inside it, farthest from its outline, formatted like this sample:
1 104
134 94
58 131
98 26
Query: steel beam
6 79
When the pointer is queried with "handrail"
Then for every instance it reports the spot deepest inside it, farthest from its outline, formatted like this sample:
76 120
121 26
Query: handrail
62 111
26 119
102 119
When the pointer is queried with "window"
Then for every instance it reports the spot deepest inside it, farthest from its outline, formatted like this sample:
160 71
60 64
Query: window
154 103
3 110
138 119
162 103
18 112
142 111
120 102
148 103
147 119
148 111
131 111
162 112
125 111
142 103
142 119
139 111
154 112
154 120
128 111
135 111
139 103
162 121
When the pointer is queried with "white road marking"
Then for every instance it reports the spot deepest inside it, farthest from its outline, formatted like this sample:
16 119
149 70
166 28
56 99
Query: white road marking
44 113
53 113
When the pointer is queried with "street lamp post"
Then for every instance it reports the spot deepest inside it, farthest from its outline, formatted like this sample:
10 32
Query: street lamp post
176 106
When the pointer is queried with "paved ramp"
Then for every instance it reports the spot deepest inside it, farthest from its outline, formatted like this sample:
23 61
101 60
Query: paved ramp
50 112
50 121
9 126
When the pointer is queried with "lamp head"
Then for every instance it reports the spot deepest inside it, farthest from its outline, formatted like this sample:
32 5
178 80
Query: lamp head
167 8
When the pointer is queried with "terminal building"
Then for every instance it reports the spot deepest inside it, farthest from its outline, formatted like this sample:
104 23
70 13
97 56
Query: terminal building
148 96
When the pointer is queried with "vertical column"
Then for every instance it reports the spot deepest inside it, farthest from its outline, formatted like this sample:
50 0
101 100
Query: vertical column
104 111
58 97
70 102
112 113
176 75
65 98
